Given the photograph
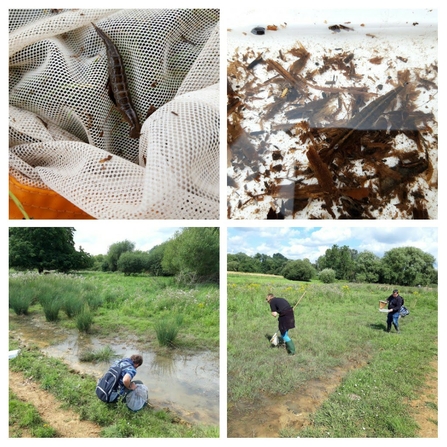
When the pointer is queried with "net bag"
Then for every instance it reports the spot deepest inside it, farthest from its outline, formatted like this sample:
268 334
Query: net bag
137 398
71 152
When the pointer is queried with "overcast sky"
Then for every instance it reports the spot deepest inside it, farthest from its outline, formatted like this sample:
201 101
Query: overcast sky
96 237
312 242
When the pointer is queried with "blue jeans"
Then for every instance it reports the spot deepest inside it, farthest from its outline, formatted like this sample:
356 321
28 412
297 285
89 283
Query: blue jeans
393 318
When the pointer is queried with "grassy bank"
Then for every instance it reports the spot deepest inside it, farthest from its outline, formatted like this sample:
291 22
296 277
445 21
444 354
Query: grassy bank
75 393
25 421
118 303
337 326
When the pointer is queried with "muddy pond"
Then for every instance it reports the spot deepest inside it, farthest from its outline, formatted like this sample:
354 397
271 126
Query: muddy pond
187 383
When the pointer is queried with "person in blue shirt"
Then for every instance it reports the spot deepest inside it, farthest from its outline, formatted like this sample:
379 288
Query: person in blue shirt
129 367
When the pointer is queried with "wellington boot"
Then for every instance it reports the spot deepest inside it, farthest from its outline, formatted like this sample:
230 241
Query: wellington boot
290 347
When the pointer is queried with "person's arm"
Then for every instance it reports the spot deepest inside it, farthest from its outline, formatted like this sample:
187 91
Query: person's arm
274 313
127 381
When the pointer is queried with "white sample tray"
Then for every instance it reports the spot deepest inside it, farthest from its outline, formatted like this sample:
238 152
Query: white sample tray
301 88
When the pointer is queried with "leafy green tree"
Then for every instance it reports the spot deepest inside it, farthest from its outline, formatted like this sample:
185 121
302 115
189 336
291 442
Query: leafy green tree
84 259
278 261
368 267
115 251
299 270
45 248
155 258
232 266
246 263
193 251
340 259
264 262
132 262
98 261
408 266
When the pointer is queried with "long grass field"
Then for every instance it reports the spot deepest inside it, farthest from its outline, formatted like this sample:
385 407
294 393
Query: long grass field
337 326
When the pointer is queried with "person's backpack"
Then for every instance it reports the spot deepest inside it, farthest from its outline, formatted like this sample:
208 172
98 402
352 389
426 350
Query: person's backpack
404 311
109 382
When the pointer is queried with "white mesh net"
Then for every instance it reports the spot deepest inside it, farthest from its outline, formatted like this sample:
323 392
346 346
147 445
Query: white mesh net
66 135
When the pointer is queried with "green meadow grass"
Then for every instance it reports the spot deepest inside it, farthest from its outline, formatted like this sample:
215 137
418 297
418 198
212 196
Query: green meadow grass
337 325
104 303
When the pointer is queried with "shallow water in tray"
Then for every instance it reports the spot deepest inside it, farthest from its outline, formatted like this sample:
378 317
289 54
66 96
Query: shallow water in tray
186 383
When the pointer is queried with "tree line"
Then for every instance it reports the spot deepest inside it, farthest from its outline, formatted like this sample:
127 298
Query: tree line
407 266
192 254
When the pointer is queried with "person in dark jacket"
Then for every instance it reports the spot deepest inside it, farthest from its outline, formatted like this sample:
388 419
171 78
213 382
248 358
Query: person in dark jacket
395 302
286 319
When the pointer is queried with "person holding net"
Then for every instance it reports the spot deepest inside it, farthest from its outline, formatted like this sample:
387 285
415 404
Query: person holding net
281 308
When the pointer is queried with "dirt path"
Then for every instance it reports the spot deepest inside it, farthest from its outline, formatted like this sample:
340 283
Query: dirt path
265 418
425 415
65 422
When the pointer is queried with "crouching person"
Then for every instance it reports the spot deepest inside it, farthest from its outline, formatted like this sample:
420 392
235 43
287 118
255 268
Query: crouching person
118 380
128 373
286 319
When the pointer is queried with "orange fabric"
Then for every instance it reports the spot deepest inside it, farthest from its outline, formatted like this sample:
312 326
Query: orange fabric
41 203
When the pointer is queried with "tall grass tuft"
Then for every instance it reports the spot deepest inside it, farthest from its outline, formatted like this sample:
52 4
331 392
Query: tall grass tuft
93 299
72 304
84 320
105 354
51 310
50 302
20 301
167 330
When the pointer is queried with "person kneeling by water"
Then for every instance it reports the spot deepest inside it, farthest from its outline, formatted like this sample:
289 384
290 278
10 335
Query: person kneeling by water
129 371
118 380
286 319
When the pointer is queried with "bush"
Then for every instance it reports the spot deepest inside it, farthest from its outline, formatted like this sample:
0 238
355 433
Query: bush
327 276
298 271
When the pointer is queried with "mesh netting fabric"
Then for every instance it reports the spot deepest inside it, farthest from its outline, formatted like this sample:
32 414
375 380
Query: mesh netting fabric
66 134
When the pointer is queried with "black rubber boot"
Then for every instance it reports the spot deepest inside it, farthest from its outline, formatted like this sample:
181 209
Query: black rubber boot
388 327
396 327
290 347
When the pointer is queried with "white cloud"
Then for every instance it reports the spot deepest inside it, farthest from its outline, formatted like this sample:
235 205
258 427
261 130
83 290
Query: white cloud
311 243
96 237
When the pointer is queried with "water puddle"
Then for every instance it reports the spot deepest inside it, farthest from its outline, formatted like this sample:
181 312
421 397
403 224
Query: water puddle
186 383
